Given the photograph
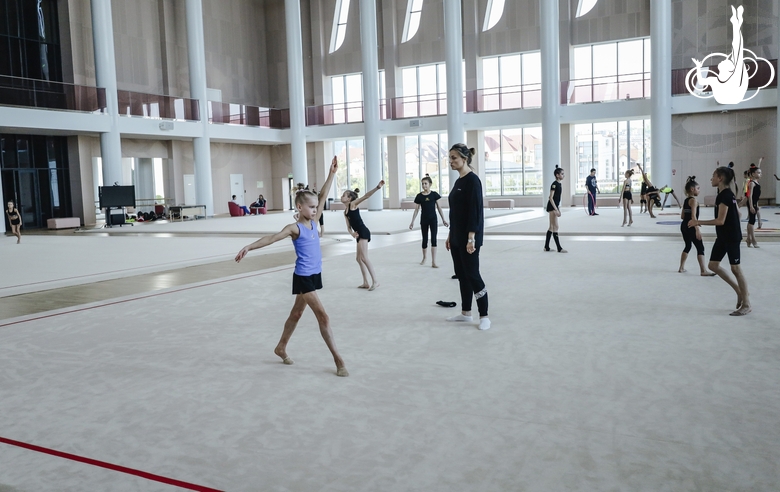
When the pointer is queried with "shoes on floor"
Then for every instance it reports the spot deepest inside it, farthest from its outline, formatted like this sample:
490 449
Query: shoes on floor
446 304
484 324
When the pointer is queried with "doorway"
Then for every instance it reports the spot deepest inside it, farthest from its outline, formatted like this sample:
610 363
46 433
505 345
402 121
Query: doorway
237 188
21 187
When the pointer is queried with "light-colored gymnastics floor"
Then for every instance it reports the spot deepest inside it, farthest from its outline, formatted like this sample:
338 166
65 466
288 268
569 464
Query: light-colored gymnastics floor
605 369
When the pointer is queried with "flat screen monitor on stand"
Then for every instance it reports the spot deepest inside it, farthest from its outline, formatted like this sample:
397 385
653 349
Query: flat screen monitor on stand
116 198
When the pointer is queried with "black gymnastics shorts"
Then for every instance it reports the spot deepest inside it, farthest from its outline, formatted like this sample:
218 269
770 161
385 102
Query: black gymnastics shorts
302 285
722 248
752 218
363 233
627 196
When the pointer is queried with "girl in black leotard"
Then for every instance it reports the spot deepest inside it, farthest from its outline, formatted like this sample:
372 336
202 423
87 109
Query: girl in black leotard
626 199
753 195
360 232
692 235
554 211
428 201
15 219
729 237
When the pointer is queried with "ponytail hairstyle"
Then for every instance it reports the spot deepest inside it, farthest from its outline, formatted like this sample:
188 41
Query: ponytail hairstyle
302 195
465 152
428 179
726 173
558 171
352 194
690 184
628 173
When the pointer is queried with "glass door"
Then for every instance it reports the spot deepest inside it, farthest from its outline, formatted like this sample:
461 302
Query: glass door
27 193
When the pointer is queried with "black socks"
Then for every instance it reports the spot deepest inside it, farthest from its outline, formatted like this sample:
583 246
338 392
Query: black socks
547 241
555 236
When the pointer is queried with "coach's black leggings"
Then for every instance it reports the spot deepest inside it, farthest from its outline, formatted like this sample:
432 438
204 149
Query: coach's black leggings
434 227
471 284
689 235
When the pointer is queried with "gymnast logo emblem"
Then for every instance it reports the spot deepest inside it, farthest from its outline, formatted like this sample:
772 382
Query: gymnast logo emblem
730 83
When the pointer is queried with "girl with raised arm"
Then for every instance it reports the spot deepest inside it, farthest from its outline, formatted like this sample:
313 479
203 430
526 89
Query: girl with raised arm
729 237
360 232
307 277
554 210
692 235
428 201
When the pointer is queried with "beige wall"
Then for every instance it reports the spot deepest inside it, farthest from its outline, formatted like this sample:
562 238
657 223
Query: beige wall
235 39
703 27
252 161
611 20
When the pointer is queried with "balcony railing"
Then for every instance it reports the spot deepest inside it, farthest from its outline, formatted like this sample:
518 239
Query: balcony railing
157 106
33 93
760 78
600 89
242 114
502 98
336 114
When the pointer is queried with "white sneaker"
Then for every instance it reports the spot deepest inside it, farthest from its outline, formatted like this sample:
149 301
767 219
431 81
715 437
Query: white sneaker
460 317
484 324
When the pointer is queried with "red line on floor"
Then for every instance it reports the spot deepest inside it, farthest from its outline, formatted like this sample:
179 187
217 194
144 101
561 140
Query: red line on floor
142 297
109 466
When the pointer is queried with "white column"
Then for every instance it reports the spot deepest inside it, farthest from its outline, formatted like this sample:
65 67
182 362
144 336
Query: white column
196 53
551 94
292 18
661 82
370 65
777 140
105 75
453 51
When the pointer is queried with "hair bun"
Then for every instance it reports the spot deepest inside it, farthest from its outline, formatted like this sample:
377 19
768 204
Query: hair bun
731 165
357 190
691 178
473 151
556 166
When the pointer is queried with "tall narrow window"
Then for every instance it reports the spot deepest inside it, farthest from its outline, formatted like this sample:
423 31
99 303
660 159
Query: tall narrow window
585 6
339 25
494 12
412 24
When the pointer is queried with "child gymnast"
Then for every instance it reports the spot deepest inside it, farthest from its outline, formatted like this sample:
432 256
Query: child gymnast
360 232
729 237
307 277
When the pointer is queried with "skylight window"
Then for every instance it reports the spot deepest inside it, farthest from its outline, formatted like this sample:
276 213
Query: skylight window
413 14
494 12
339 25
585 6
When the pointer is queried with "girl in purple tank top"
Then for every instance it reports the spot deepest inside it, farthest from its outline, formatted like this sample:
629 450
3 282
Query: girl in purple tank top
307 278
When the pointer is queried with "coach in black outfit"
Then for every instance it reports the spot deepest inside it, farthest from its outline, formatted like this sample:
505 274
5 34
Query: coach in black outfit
467 223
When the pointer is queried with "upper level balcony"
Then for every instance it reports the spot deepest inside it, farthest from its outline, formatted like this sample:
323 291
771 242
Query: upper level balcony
602 89
44 94
246 115
157 106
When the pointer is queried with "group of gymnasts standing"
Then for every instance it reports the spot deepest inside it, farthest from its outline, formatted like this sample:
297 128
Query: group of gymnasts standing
463 241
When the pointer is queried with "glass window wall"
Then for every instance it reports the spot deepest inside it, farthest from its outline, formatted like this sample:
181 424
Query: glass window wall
513 161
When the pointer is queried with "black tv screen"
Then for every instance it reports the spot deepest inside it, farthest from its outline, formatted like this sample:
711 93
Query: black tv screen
117 196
